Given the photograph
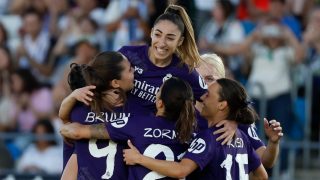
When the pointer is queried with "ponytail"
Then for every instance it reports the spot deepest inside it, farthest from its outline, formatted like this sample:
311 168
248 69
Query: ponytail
246 115
177 97
186 128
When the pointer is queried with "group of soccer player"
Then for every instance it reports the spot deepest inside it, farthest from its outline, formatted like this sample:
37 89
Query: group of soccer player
161 112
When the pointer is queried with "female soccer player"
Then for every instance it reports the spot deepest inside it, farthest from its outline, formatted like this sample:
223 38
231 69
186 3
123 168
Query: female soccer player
211 69
163 135
96 159
225 99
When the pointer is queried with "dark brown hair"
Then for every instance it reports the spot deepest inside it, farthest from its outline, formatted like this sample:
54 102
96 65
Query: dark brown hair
105 67
177 97
237 99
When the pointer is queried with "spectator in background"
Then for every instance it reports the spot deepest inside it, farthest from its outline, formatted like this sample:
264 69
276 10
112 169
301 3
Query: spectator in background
224 30
125 23
32 100
203 13
252 9
35 45
83 28
7 120
84 51
300 9
311 40
273 49
42 156
278 9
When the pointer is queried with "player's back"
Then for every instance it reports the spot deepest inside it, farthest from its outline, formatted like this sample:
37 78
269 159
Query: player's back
154 137
98 159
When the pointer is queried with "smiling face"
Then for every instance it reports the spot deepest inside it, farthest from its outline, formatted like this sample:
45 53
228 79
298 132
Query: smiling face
165 38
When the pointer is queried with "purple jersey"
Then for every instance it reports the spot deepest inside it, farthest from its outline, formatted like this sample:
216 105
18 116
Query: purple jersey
67 152
99 159
149 78
154 137
250 131
216 161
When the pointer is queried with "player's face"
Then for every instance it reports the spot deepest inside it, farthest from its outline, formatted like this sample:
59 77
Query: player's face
165 38
127 76
211 100
207 72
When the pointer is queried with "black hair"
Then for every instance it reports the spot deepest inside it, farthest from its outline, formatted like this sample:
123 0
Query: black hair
48 128
30 82
32 11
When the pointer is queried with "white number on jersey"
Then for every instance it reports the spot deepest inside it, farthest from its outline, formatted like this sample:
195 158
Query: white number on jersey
241 159
109 152
152 151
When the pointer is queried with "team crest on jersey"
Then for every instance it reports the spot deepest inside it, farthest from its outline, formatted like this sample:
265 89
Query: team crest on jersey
202 83
168 76
120 122
197 146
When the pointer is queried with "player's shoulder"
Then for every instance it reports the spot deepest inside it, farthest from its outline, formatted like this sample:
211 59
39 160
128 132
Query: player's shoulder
134 49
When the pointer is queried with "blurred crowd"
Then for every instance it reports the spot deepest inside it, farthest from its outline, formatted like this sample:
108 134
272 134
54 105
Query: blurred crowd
268 45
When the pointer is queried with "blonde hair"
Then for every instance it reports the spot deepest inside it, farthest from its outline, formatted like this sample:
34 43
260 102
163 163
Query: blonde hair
187 51
216 62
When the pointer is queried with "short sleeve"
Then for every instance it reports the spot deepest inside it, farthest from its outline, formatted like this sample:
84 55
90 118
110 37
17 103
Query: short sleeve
201 150
250 131
119 130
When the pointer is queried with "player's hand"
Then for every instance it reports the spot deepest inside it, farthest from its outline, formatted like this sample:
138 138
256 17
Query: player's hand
228 130
273 130
71 131
131 156
83 94
113 96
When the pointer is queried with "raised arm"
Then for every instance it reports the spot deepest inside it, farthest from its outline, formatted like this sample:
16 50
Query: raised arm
168 168
236 49
270 154
82 94
299 52
79 131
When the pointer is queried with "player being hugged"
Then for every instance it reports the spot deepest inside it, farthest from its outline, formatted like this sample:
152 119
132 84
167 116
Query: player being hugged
206 157
163 136
92 158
